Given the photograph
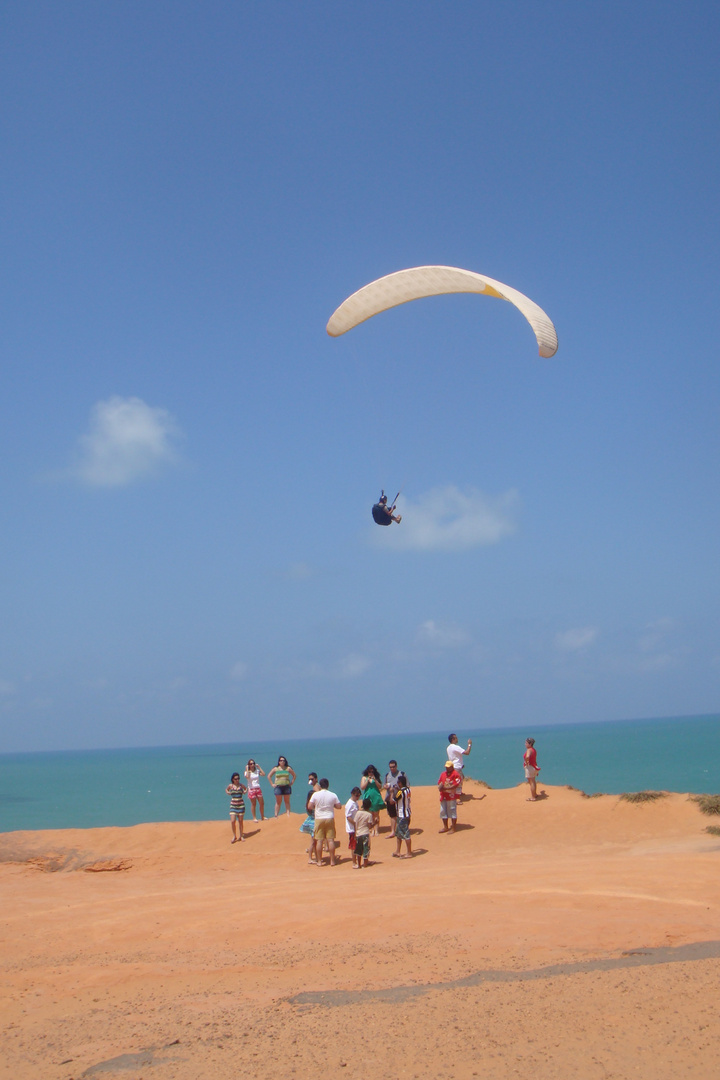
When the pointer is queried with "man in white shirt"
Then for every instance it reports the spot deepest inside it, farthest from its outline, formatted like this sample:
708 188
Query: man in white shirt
457 755
391 786
324 803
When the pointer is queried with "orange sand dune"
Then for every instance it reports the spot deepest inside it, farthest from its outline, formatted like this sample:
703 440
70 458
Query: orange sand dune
570 937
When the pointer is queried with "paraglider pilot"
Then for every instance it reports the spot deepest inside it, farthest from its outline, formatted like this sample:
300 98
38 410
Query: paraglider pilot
383 514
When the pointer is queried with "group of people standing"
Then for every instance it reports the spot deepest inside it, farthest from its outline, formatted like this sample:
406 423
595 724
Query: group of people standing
362 810
281 776
362 815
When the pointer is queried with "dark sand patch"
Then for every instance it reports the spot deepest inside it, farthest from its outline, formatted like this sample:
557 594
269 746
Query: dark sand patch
633 958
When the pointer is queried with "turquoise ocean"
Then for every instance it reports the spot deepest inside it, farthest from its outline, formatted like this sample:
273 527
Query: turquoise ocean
84 789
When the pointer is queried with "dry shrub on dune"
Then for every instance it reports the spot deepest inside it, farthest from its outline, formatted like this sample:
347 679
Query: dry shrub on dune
643 796
707 804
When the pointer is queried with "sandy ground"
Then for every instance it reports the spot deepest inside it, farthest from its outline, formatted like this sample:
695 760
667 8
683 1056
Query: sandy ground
572 937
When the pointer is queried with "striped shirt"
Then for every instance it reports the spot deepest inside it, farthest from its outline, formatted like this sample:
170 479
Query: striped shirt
237 803
402 801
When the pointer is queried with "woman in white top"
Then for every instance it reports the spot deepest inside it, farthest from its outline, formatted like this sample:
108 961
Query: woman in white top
253 772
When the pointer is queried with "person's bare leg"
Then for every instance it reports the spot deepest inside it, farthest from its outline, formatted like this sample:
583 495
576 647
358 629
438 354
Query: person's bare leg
287 803
261 804
278 801
331 848
233 826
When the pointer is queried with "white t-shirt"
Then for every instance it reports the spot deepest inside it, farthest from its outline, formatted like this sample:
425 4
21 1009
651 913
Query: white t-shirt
455 753
351 809
324 803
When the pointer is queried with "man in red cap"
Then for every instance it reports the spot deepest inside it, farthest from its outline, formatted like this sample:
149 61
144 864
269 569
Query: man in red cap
448 785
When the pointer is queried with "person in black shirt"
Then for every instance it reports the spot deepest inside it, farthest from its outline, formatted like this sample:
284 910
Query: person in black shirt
383 514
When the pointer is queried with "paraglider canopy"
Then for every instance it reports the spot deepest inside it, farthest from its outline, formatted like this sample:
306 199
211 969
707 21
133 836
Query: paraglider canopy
421 281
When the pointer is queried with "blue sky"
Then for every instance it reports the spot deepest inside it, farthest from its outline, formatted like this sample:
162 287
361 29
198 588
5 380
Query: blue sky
188 190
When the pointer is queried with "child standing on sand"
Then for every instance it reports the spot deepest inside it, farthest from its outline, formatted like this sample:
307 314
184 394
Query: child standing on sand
236 790
531 768
351 808
402 827
363 825
308 825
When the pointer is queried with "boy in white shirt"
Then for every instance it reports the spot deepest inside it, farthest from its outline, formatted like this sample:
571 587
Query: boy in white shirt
351 808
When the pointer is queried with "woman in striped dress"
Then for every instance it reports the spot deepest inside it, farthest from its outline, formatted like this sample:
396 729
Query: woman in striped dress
236 790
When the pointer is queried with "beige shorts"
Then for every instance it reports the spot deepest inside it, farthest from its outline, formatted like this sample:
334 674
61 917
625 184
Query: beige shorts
531 773
324 829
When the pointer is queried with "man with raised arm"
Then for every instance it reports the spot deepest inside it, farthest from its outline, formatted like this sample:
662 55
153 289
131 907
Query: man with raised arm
457 755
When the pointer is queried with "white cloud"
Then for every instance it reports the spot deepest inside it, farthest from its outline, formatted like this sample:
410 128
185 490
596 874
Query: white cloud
442 636
658 661
655 635
656 648
299 571
352 665
178 683
578 638
447 519
42 703
127 440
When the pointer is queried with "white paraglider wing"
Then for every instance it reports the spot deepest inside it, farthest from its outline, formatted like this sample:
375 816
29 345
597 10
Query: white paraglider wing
420 281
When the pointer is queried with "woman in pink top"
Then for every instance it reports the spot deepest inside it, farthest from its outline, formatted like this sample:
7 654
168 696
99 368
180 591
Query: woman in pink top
531 768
